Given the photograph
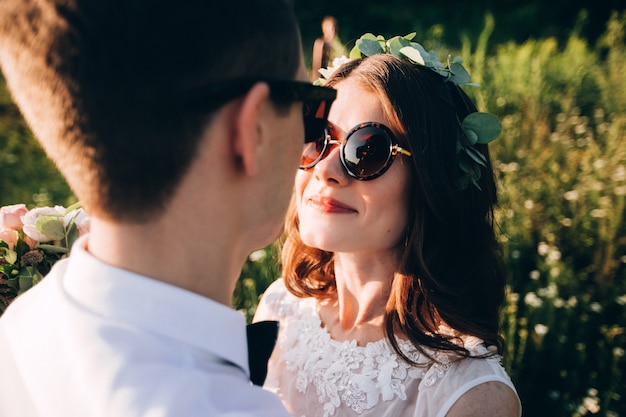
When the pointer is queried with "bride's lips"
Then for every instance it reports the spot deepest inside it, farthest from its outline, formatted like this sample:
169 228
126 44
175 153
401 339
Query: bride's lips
330 205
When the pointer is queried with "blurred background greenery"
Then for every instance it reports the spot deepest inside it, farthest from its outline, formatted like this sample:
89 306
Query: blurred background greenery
554 73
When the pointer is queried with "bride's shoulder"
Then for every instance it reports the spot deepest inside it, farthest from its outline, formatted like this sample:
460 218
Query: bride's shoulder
276 302
276 287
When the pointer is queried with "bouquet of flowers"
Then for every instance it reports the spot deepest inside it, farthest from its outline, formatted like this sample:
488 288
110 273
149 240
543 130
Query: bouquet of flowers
32 241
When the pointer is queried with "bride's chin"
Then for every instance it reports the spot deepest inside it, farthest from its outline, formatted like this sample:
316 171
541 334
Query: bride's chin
318 243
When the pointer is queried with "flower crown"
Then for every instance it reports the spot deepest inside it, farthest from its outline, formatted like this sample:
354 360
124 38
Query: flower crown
477 127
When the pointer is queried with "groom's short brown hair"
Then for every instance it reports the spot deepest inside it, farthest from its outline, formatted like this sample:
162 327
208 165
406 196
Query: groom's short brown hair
100 82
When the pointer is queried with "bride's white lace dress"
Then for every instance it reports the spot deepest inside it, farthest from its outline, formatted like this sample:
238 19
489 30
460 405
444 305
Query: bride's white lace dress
318 376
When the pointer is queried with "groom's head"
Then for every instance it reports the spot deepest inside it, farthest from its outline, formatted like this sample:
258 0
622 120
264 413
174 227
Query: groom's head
103 84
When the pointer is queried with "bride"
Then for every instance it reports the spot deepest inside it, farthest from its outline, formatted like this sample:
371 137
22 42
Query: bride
392 280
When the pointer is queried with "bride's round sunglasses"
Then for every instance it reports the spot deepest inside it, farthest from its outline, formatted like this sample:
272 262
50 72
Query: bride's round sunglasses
366 151
316 100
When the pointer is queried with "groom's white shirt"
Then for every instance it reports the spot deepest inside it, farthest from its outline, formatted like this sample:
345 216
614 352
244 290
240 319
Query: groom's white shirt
94 340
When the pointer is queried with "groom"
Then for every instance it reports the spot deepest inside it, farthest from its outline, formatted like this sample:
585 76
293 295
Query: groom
179 126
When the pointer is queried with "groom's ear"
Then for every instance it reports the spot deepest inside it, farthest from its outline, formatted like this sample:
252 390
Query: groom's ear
248 134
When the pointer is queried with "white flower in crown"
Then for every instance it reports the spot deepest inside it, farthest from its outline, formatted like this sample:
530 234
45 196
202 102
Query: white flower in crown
337 62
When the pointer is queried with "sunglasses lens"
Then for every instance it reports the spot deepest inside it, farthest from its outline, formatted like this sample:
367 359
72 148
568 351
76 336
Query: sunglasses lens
367 152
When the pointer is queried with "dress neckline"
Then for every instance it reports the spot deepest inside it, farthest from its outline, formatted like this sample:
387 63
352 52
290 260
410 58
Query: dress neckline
406 346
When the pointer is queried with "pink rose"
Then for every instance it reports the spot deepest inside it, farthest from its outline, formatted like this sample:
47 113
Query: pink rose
10 216
9 236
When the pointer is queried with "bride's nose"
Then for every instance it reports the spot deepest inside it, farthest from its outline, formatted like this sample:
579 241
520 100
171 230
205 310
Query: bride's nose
330 169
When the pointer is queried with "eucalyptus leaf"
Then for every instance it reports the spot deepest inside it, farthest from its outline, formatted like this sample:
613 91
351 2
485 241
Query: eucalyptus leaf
52 228
72 235
421 49
472 173
382 42
25 278
369 47
486 126
466 166
368 44
459 74
37 277
410 36
396 43
472 137
476 156
14 283
413 54
438 67
355 53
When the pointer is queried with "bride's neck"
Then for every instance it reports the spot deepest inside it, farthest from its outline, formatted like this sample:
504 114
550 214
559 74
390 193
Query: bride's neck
357 310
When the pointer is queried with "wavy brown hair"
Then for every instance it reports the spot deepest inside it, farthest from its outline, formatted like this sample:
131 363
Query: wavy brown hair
451 269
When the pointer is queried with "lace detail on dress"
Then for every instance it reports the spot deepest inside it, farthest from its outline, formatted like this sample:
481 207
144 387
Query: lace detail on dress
343 372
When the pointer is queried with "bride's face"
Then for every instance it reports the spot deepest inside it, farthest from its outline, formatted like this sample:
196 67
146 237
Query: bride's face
338 213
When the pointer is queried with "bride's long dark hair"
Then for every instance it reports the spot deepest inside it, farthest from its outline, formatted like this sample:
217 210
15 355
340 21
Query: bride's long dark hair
451 270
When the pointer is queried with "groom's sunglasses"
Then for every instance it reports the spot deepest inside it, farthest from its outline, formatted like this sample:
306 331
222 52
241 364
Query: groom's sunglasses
366 151
316 100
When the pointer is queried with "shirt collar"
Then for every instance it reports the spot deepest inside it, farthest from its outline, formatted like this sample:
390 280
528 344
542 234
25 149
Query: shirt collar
153 305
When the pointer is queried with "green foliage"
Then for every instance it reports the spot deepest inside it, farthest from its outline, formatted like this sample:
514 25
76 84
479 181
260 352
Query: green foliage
260 270
26 174
562 173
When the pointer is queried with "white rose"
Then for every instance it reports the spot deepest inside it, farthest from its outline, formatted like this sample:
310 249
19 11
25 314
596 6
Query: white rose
30 221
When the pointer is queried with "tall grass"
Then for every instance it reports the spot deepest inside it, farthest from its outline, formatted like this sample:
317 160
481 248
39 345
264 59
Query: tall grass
561 163
562 172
